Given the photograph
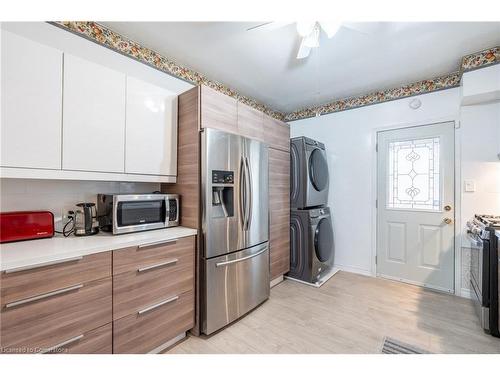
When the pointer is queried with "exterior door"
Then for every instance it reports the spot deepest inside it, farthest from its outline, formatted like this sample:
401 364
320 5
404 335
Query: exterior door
415 231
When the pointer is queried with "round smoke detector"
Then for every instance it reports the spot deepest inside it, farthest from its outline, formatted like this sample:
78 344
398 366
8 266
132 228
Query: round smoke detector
415 103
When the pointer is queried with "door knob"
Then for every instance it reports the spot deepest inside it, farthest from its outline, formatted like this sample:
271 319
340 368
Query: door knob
447 207
447 220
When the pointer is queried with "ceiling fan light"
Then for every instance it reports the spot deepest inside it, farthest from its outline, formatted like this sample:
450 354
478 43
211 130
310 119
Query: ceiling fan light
303 51
312 40
305 28
330 28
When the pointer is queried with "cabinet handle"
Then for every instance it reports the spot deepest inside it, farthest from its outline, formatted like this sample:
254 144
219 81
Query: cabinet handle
154 266
152 244
43 296
155 306
64 343
26 268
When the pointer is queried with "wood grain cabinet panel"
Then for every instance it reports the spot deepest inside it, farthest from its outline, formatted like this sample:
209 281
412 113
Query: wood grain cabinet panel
35 281
55 319
277 133
218 111
97 341
279 198
165 272
143 332
132 258
250 122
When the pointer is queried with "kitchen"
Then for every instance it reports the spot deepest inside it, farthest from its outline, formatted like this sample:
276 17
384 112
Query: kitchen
146 208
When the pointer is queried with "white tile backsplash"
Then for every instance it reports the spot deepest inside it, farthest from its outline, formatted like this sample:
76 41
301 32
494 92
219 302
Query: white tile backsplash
59 196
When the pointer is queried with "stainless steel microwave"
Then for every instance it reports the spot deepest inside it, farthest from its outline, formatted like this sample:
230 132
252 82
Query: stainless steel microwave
127 213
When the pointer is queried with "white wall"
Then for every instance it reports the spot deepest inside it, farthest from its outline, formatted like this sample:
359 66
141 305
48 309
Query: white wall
59 196
480 134
349 139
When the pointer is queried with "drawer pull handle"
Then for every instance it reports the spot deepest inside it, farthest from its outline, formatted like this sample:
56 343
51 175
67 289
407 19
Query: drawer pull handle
241 259
155 266
64 343
152 307
153 244
43 296
19 269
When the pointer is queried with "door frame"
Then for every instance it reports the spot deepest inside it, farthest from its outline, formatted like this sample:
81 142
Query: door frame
457 193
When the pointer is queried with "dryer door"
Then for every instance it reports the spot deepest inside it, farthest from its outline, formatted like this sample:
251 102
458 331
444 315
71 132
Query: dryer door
318 170
323 240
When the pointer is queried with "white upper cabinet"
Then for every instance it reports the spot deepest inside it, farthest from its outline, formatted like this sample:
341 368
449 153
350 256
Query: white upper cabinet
151 129
31 91
94 117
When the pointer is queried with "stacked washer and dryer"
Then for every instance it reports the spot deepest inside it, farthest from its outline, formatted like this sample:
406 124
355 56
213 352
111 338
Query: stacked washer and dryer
311 233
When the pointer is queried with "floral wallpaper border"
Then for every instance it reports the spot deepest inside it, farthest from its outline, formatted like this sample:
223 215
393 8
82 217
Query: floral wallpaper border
106 37
416 88
480 59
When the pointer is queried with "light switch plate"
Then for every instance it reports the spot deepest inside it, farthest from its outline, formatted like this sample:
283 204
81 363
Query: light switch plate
470 186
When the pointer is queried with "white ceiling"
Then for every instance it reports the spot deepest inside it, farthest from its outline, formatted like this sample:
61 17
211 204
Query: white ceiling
261 63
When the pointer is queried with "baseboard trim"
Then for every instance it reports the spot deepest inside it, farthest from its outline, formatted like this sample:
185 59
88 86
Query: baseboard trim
276 281
466 293
168 344
352 269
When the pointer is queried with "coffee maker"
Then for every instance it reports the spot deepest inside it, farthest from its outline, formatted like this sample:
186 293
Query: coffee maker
85 218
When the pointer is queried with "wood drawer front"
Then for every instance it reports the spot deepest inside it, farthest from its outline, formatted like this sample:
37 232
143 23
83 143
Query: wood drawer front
133 258
218 111
136 290
141 333
50 321
277 133
35 281
97 341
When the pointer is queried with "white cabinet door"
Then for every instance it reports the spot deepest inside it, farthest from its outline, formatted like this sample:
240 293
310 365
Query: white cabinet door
94 117
151 130
31 91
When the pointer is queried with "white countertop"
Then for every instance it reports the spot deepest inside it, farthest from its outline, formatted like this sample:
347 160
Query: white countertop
45 251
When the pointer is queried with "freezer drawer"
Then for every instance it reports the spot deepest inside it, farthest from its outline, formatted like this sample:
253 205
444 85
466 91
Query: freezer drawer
235 284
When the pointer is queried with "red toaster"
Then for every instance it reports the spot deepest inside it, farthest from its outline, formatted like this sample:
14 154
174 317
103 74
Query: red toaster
26 225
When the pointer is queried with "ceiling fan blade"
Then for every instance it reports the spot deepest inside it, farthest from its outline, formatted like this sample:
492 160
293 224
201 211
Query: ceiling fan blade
330 27
268 26
303 51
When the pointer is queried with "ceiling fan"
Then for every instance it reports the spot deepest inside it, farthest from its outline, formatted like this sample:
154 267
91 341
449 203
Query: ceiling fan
310 32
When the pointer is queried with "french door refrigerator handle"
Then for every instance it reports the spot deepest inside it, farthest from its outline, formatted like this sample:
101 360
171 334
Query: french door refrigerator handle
242 190
249 199
220 264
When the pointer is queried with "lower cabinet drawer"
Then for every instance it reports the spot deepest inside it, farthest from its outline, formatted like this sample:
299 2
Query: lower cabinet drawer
48 320
154 325
150 282
97 341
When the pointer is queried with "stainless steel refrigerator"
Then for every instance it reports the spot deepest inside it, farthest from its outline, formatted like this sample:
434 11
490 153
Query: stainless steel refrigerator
235 226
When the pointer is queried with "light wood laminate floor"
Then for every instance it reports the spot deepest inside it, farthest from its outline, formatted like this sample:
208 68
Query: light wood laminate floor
350 314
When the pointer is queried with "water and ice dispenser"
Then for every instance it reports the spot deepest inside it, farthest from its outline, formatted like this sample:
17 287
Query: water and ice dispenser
222 194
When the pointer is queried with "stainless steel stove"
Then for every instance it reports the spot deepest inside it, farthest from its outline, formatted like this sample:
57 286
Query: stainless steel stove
484 270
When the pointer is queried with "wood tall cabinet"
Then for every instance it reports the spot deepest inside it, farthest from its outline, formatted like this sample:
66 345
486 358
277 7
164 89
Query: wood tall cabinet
279 207
203 107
